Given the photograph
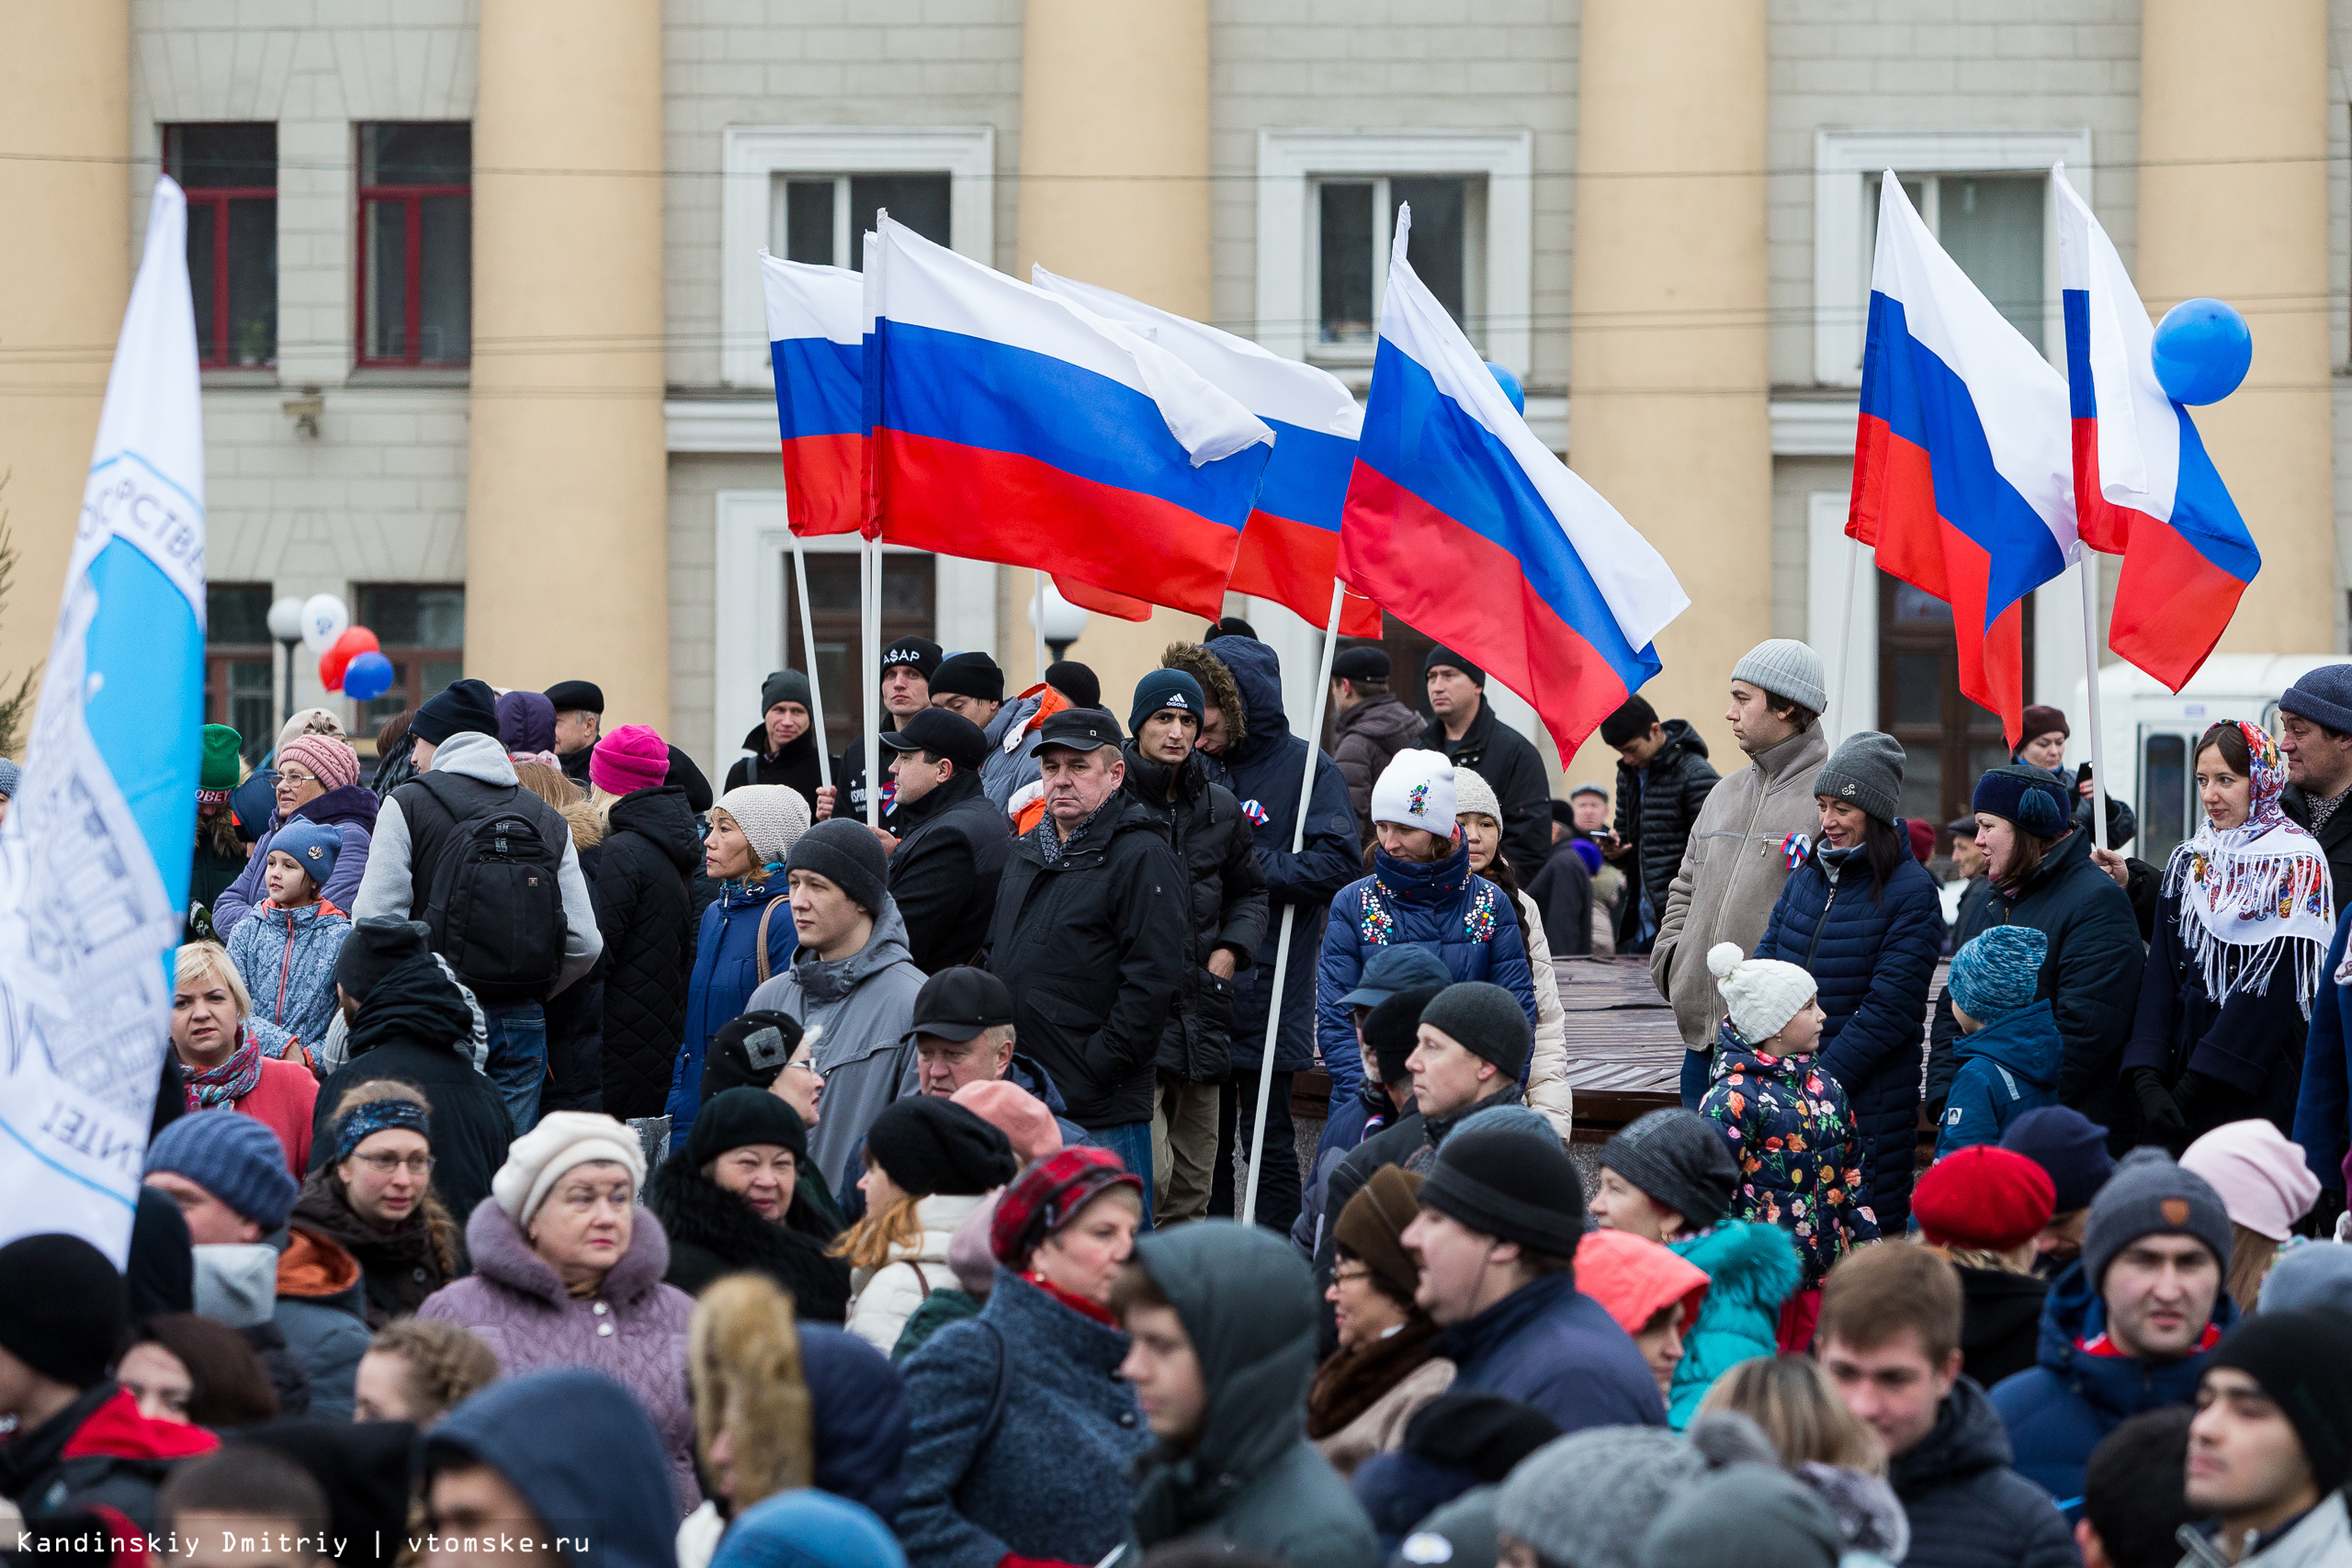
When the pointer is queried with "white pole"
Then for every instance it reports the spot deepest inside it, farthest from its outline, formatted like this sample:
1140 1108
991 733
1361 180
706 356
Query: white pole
1290 911
2084 567
872 747
1038 623
1838 714
809 656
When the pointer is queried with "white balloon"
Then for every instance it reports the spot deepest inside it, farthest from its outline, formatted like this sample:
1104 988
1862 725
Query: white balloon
324 618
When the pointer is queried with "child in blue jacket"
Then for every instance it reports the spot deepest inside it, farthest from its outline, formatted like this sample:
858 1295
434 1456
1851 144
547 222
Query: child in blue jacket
2009 1050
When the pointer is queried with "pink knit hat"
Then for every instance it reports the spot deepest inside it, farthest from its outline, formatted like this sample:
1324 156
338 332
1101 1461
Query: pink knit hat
1020 1116
2264 1183
331 761
630 758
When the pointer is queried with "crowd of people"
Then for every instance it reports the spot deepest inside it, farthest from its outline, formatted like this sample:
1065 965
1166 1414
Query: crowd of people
554 1155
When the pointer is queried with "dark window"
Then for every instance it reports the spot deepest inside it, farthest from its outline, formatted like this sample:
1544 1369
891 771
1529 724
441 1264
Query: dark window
820 218
416 244
1355 220
421 630
1948 741
230 173
238 687
2168 809
909 585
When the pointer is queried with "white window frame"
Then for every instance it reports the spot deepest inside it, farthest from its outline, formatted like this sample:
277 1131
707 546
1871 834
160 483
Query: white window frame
753 155
1291 161
749 615
1384 220
1842 163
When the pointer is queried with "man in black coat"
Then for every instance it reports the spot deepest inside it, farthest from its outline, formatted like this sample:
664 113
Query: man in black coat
943 872
1091 934
410 1024
1663 778
1466 730
783 745
1228 892
907 665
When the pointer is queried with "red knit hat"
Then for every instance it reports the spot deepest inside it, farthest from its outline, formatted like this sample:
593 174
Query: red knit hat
630 758
1048 1195
1986 1198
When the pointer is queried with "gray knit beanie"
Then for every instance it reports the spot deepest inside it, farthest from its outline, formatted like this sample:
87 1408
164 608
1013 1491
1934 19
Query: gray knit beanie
1486 1020
772 818
1786 668
845 853
1587 1500
784 686
1866 770
2151 1195
1677 1158
1778 1522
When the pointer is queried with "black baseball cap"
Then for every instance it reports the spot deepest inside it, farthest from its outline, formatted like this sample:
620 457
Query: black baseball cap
950 735
1081 730
958 1003
1365 661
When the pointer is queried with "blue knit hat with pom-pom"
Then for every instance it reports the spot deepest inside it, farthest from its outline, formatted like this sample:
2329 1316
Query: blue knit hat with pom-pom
2030 797
1996 974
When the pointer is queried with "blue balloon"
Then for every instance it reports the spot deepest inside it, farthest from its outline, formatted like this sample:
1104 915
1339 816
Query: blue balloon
1510 384
368 677
2202 351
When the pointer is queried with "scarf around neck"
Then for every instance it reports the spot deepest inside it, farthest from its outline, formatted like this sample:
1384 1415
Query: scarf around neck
231 1081
2252 894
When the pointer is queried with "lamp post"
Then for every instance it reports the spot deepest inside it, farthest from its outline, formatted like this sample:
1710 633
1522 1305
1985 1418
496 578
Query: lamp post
1058 621
286 626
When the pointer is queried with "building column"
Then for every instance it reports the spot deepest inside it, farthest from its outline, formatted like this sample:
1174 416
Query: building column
1115 190
64 277
566 563
1669 381
2233 205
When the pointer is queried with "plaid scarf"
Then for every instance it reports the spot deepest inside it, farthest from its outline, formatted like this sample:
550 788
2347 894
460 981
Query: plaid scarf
231 1081
1054 845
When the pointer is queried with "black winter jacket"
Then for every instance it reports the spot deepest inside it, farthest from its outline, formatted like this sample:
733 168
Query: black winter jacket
1211 841
712 1232
943 874
795 765
2231 1063
2334 839
1364 740
1563 895
2000 1327
1967 1508
1506 760
1656 806
641 884
1091 945
2091 978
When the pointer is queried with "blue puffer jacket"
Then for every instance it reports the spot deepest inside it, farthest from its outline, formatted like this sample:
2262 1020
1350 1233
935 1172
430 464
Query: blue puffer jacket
1263 774
2006 1069
287 959
1874 958
1751 1268
2083 1387
2324 1101
726 973
1549 1345
1463 918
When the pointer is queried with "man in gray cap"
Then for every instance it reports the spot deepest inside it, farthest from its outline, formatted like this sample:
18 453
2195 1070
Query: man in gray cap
2315 737
1747 836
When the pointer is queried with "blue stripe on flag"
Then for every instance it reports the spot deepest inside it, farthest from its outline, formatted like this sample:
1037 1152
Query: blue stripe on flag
1307 480
818 385
146 715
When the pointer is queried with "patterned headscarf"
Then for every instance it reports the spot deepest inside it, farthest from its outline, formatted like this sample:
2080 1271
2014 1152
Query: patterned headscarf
364 1121
2256 890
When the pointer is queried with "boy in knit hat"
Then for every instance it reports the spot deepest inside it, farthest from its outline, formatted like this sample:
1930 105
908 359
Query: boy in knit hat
2271 1446
2071 1148
2009 1049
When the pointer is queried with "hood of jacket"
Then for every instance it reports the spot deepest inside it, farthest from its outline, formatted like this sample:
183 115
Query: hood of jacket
419 1003
661 814
824 981
2001 1305
503 1256
1382 718
2075 1349
314 1265
1734 1054
302 922
858 1413
1024 1072
474 755
1746 1262
1259 673
1248 1304
353 804
236 1282
1968 1440
582 1453
1679 737
2026 1042
1010 719
1425 882
1804 750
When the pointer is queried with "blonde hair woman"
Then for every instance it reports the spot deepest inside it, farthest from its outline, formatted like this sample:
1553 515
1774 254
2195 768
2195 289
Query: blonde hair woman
747 934
223 1064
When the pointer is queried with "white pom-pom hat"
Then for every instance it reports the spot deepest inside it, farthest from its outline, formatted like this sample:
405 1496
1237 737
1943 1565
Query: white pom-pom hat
1760 993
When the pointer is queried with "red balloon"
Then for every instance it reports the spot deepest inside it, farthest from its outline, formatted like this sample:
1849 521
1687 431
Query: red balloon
354 641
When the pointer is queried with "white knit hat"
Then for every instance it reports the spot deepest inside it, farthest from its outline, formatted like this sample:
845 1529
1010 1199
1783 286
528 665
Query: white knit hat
772 818
536 1160
1473 794
1416 790
1761 994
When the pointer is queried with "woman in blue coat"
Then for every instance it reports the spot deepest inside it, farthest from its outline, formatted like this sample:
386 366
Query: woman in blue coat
1862 916
1421 892
751 830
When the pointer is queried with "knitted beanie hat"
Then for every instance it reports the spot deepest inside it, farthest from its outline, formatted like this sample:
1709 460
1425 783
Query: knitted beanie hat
2322 695
331 761
1588 1498
968 676
2302 1360
1076 682
1786 668
1446 656
231 1156
1984 1197
1781 1523
216 774
1166 689
1372 1226
1049 1194
2029 797
1996 973
631 758
1510 1186
736 1118
1761 994
1866 770
919 653
461 707
2149 1195
2070 1146
1416 790
2264 1181
928 1145
313 846
69 1308
1472 795
772 818
1679 1158
1020 1116
1484 1020
2317 1275
845 853
537 1159
784 686
2041 719
9 773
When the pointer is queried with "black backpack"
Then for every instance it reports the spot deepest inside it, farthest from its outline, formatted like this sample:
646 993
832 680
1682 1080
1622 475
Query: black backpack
494 907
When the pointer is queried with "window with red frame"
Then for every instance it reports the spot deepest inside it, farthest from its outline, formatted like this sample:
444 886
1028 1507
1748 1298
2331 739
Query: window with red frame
416 244
230 173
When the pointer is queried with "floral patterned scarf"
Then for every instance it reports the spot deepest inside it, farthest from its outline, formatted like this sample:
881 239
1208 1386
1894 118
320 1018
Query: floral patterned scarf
231 1081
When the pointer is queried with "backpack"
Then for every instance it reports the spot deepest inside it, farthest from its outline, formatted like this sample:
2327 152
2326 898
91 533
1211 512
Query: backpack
494 906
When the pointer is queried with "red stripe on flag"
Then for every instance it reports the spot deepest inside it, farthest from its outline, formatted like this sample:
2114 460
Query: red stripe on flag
1293 564
2171 603
1086 596
823 483
2102 525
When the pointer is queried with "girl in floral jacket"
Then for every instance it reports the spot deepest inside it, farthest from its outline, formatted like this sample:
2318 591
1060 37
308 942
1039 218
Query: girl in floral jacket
1801 1166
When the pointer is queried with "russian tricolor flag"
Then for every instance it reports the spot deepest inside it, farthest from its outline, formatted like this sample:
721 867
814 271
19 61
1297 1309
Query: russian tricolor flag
1462 523
2143 487
1017 426
815 330
1963 479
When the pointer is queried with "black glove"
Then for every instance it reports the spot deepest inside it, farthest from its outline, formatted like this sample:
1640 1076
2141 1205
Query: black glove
2192 1091
2157 1107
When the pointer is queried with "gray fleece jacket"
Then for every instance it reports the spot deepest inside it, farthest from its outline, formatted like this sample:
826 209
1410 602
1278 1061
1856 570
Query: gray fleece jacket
389 889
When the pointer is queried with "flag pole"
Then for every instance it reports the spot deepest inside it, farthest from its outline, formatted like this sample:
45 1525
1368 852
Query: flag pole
1290 911
1038 623
809 653
1846 639
2083 567
872 750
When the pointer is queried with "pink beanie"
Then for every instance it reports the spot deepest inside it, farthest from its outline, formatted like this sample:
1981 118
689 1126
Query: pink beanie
630 758
2264 1183
333 763
1020 1116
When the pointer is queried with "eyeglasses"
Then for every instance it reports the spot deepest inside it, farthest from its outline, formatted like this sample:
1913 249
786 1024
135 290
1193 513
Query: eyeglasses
1349 1276
289 776
806 1064
384 1164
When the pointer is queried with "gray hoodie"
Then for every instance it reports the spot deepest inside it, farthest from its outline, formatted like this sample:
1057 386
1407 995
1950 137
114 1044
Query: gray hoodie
866 1004
389 886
